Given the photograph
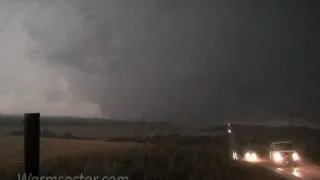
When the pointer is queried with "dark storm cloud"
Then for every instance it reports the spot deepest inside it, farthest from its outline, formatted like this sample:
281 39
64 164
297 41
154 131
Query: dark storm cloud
183 59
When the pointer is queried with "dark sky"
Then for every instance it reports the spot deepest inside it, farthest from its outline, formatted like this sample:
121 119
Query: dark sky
184 59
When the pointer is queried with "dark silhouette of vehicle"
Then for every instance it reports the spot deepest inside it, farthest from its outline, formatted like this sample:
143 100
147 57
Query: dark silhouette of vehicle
283 153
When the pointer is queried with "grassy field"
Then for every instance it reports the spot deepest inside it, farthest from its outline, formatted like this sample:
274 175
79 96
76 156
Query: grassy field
11 153
64 157
100 128
176 152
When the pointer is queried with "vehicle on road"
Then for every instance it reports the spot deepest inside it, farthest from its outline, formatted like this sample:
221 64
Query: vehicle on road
283 153
250 154
235 155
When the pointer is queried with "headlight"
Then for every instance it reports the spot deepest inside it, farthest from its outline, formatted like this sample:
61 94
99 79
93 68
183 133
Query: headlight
235 155
277 157
251 156
295 156
254 156
247 156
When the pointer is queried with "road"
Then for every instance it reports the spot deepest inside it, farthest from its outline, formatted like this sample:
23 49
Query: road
305 171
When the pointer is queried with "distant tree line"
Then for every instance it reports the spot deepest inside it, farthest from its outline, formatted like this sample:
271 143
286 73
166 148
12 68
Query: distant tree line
51 134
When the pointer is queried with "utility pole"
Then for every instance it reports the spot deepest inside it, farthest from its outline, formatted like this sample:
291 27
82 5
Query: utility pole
145 133
292 115
230 135
145 159
32 144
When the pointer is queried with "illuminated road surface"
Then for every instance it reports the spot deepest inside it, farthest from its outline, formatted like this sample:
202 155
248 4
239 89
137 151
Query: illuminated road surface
305 171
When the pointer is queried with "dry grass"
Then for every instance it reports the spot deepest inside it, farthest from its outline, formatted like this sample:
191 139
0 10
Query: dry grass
12 148
69 157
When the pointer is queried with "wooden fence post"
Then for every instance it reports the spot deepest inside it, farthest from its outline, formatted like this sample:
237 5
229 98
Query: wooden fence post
32 143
